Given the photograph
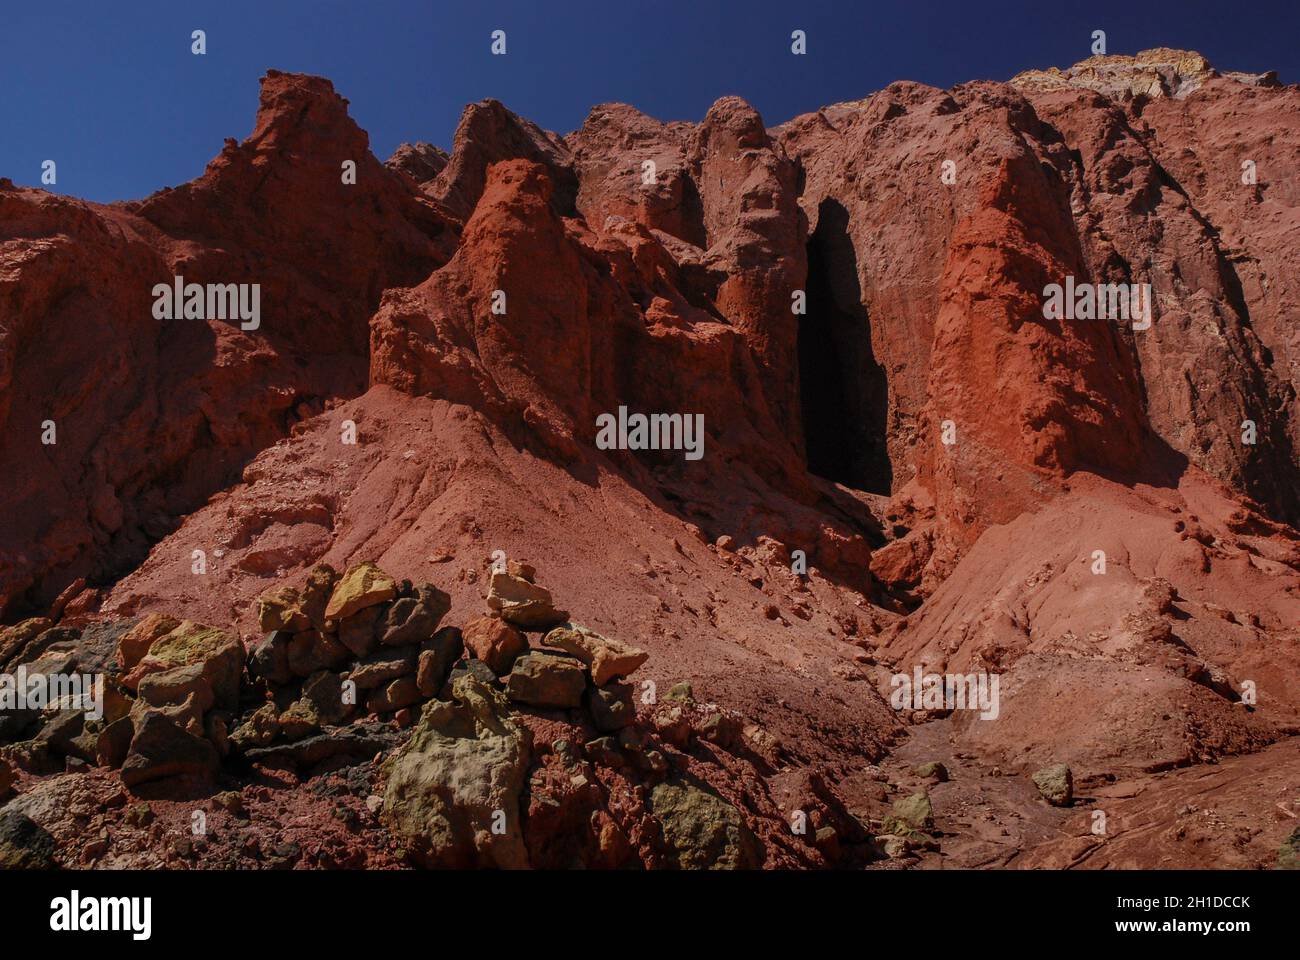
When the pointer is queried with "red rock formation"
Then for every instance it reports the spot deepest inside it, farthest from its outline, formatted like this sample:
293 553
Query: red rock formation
153 416
976 454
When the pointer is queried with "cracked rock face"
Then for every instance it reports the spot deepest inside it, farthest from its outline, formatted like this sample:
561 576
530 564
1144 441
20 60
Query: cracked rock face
459 777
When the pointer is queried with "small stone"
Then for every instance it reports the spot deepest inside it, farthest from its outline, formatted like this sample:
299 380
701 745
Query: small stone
545 680
1288 854
364 585
933 770
281 609
611 707
259 730
494 642
1056 784
270 660
162 749
674 724
400 693
359 632
525 571
383 666
299 721
605 751
680 691
720 728
231 801
414 619
911 814
608 659
437 655
315 650
138 815
523 603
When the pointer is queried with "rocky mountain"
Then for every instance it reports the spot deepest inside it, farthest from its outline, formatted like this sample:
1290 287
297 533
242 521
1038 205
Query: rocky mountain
365 580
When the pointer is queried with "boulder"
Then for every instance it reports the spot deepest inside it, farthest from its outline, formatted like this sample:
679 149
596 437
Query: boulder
494 642
270 659
611 707
395 695
13 640
7 778
910 814
161 749
359 632
522 602
299 720
1056 784
114 742
354 743
383 666
281 609
437 655
324 691
191 651
364 585
1288 854
176 686
933 770
24 844
469 667
545 680
316 593
702 830
414 619
259 730
608 659
457 778
135 643
314 650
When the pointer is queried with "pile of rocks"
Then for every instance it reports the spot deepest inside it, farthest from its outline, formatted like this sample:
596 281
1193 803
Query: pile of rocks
360 642
347 661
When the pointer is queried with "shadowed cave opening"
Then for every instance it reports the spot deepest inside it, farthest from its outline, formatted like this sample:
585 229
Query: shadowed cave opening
842 389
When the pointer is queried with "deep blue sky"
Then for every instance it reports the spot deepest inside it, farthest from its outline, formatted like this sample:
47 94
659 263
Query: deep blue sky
111 91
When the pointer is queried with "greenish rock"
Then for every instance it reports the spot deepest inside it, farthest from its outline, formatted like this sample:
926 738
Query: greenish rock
260 729
702 830
934 770
1056 784
300 720
364 585
452 794
910 815
545 680
1288 855
680 691
24 844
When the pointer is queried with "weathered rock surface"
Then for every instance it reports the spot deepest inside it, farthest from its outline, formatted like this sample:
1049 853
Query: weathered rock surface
453 788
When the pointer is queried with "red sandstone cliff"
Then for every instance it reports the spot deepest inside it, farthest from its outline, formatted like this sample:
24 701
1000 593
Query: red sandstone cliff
825 431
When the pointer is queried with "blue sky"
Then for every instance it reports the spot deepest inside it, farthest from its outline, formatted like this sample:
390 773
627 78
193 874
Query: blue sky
112 93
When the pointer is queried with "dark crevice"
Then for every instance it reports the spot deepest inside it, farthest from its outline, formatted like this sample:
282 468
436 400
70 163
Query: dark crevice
842 389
